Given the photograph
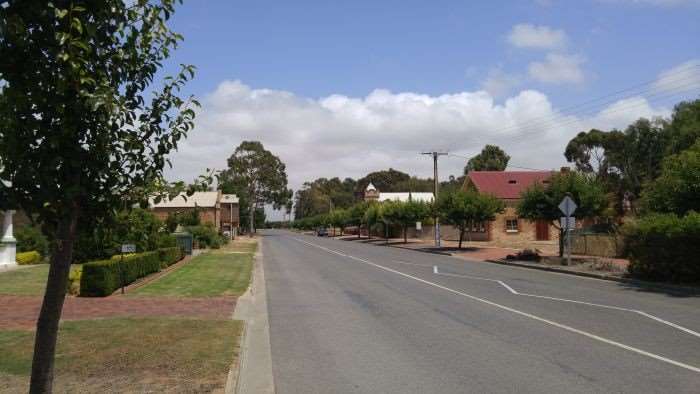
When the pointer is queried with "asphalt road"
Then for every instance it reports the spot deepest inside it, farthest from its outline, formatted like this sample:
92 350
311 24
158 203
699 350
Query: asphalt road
351 317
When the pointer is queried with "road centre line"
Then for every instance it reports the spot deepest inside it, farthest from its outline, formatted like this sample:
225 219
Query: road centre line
515 311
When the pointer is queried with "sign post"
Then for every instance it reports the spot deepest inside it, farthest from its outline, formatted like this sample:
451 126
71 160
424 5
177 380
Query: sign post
568 207
126 248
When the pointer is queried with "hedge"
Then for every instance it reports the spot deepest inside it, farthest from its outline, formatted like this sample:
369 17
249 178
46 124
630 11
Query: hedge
665 247
26 258
102 278
170 256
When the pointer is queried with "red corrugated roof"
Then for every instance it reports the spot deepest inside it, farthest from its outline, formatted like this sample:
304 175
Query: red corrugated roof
506 184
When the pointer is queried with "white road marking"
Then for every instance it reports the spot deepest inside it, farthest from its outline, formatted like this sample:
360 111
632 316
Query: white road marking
513 291
515 311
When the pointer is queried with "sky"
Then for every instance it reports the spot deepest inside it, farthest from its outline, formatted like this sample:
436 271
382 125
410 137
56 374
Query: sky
345 88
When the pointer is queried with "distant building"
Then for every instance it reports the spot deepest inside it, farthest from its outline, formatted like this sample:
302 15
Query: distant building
372 194
508 229
219 209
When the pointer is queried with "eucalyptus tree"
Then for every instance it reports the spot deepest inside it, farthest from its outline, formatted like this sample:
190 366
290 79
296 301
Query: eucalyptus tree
79 135
258 176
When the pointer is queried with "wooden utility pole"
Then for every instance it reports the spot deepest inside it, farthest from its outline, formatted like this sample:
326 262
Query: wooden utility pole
435 155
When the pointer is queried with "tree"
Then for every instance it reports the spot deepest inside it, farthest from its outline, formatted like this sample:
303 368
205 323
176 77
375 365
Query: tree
491 158
79 136
338 218
677 189
385 181
405 213
542 203
260 176
464 208
356 216
684 128
374 215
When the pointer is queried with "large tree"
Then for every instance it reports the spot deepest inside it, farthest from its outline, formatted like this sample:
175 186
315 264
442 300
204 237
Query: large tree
491 158
677 189
79 136
261 176
540 202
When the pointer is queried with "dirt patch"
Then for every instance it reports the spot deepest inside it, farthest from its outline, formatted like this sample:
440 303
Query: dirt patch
22 311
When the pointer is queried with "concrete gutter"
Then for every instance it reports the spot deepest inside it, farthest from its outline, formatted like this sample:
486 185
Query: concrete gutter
253 374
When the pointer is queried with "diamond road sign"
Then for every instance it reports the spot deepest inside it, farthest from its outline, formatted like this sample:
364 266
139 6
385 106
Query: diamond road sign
567 206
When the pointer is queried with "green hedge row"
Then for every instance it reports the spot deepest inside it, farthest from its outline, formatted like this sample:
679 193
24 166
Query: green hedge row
665 247
170 256
102 278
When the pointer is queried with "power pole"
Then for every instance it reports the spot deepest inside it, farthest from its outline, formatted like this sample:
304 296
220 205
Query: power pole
435 155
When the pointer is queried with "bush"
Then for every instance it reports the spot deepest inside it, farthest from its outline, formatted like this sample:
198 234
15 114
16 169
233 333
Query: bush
169 256
206 236
102 278
664 247
30 238
27 258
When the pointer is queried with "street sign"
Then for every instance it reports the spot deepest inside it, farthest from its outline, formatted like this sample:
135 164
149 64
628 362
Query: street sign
128 248
567 206
419 226
567 223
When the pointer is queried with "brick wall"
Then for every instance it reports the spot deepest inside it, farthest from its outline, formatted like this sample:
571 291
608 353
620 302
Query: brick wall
206 215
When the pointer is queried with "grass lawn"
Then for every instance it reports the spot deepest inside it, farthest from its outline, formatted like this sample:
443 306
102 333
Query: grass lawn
29 281
225 272
128 355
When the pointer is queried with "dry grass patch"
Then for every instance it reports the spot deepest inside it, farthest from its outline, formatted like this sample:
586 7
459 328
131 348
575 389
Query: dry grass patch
129 355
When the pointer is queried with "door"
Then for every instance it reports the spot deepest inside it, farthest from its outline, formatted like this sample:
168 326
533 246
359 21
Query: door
542 230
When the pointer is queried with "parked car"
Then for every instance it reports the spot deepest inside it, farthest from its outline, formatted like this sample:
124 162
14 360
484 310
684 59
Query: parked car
322 232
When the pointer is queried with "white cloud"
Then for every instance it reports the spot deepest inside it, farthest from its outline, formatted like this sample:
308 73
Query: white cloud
558 68
526 35
351 136
499 83
684 77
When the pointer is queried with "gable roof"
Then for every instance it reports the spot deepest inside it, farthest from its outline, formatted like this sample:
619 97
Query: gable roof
200 199
506 184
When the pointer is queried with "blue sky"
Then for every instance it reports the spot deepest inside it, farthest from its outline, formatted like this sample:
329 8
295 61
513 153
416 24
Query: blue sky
343 88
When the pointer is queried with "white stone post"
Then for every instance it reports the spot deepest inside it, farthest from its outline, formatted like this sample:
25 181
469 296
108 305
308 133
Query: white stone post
8 243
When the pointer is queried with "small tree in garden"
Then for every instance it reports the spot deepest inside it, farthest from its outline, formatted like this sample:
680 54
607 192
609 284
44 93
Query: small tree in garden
542 203
464 208
374 215
356 216
339 218
79 138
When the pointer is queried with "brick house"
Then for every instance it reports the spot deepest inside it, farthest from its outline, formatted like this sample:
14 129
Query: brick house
216 208
508 229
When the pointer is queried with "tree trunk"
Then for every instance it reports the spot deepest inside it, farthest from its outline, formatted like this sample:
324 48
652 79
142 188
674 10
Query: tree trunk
461 236
359 231
252 218
405 239
52 306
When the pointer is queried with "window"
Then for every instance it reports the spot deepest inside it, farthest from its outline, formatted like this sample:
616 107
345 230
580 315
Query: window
512 225
478 227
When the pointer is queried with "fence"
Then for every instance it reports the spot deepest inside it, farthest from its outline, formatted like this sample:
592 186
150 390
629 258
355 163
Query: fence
605 245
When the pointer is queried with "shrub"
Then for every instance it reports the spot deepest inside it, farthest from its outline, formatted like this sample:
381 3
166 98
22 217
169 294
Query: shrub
74 280
664 247
169 256
27 258
30 238
206 236
102 278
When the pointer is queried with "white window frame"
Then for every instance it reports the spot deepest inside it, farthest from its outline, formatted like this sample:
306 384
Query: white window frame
508 227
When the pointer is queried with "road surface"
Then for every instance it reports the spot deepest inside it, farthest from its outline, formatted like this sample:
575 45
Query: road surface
351 317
